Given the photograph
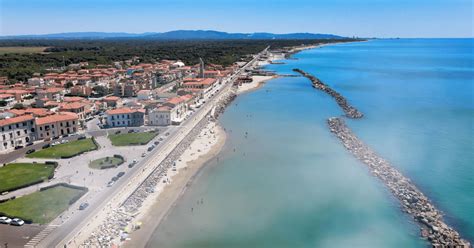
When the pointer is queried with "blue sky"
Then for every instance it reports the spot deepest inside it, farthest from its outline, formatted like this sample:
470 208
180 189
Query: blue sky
364 18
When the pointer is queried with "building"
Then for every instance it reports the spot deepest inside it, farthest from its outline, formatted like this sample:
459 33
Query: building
144 95
7 100
56 125
112 101
212 74
78 108
125 117
17 131
175 109
160 116
198 83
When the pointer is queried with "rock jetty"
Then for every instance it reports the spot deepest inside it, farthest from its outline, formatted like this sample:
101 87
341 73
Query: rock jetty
350 111
412 200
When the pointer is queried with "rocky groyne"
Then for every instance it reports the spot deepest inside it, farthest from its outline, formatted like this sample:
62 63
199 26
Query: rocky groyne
412 200
349 110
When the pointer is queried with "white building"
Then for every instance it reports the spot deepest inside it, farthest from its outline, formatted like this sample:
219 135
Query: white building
160 116
16 131
125 117
144 95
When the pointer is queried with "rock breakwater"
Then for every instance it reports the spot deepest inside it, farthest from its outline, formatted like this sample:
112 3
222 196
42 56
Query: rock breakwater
412 200
350 111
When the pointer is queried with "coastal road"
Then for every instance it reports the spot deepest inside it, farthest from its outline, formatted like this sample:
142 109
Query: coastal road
78 227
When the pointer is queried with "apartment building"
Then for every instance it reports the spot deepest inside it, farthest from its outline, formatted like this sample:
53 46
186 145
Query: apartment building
16 131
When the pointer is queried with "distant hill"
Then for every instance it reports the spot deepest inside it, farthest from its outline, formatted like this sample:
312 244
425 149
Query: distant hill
177 35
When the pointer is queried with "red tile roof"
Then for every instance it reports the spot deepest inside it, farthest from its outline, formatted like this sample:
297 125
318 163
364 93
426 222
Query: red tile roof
17 119
71 105
112 98
63 116
33 111
124 111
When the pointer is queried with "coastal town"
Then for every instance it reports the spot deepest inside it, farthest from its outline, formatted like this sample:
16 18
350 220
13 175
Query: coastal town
100 140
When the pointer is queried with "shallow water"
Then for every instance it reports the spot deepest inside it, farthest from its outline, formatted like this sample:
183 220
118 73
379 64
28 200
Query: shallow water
290 183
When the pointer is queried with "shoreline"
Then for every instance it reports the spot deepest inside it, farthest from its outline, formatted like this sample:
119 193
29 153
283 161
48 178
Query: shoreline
257 83
156 208
190 164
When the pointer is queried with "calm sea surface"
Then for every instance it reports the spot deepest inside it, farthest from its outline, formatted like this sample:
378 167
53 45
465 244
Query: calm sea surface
290 183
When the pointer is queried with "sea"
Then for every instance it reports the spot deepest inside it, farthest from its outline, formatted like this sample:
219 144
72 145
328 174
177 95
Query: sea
283 180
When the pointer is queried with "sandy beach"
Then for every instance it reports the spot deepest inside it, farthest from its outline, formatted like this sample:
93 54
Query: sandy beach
206 146
257 82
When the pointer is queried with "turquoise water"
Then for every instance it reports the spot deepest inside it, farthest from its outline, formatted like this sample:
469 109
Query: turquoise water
290 183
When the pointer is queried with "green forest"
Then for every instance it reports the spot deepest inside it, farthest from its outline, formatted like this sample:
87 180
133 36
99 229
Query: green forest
21 66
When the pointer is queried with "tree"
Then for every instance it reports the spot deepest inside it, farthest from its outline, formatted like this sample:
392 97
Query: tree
69 85
100 90
18 106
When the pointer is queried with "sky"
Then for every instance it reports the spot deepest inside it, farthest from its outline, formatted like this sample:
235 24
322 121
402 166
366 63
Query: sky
362 18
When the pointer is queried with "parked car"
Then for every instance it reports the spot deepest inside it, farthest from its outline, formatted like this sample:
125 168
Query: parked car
17 222
46 146
18 147
5 220
131 131
133 163
117 132
29 144
81 137
30 151
143 154
110 184
157 142
120 174
83 206
150 148
115 178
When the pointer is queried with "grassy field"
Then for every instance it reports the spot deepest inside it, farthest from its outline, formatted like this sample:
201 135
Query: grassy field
104 163
42 206
4 50
69 149
130 139
13 176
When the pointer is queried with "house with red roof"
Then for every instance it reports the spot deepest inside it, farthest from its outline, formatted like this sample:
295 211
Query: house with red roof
16 131
56 125
173 111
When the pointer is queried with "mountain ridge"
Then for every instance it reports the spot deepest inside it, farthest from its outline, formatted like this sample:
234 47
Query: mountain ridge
176 35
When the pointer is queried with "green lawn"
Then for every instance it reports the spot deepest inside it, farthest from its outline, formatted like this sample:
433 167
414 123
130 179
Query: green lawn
13 176
69 149
104 163
42 206
130 139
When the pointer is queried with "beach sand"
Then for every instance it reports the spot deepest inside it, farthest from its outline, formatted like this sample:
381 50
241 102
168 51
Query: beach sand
257 82
156 207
